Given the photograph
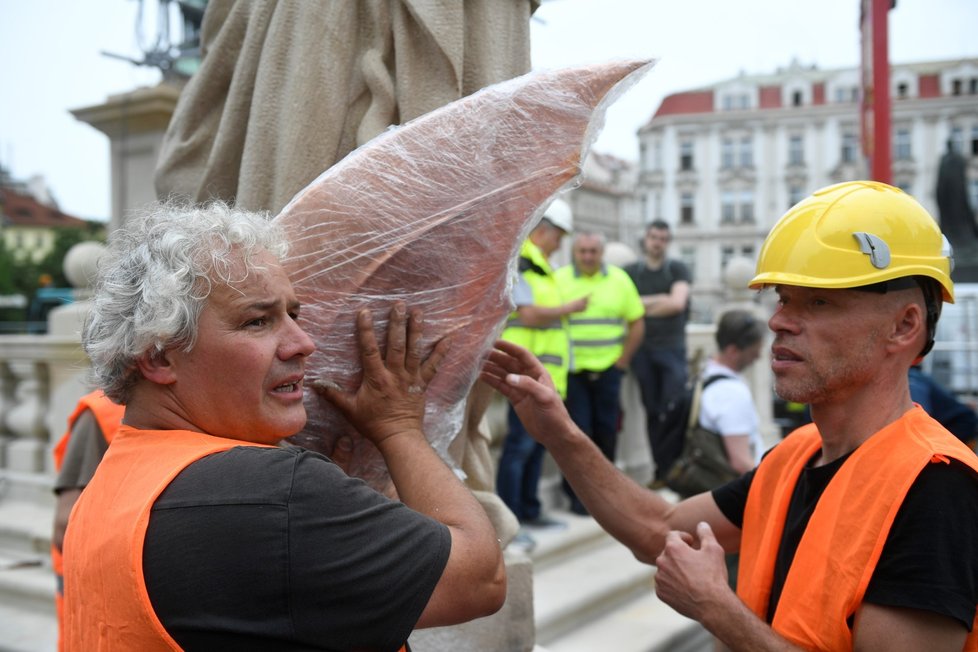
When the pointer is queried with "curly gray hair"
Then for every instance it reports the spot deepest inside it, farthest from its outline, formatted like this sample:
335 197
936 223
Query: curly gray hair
155 278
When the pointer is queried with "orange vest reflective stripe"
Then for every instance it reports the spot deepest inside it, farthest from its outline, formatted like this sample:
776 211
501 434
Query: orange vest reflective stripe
850 524
107 606
108 415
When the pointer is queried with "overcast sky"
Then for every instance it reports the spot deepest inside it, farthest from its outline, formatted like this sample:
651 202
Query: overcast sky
52 63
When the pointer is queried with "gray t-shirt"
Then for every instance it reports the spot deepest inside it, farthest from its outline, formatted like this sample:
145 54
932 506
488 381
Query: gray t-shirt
85 450
278 549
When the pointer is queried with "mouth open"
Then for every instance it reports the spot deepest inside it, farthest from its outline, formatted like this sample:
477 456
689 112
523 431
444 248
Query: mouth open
288 388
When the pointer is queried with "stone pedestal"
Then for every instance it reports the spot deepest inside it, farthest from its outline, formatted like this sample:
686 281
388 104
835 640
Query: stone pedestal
511 629
135 123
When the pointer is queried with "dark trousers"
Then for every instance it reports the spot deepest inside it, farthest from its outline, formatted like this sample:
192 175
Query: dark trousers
519 470
593 404
661 375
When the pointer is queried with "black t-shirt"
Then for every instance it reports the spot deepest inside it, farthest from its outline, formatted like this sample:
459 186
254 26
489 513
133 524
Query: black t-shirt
661 332
930 559
277 549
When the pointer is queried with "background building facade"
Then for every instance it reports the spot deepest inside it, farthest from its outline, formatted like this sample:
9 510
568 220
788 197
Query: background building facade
723 163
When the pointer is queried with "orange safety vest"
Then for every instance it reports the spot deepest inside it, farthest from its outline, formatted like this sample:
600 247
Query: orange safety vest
107 604
108 415
850 524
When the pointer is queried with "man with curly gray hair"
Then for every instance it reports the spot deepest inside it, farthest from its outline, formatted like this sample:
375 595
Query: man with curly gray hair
199 530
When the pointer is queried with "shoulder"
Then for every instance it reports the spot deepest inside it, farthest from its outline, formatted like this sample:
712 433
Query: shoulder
246 473
679 269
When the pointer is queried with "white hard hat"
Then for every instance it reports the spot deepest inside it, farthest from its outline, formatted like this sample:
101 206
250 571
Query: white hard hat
559 214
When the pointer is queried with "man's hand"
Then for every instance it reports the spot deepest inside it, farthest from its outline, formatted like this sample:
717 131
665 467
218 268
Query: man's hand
516 374
390 399
577 305
692 575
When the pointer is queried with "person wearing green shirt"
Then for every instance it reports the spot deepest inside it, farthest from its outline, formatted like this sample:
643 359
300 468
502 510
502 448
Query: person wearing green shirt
603 339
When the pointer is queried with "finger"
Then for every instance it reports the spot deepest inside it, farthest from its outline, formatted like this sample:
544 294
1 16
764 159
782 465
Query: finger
369 352
415 327
523 361
434 359
396 337
503 359
705 533
332 393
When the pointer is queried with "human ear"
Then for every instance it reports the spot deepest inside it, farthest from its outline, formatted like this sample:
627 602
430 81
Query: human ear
909 327
157 367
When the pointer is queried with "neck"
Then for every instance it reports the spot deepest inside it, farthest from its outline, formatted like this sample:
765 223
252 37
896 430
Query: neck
654 261
845 423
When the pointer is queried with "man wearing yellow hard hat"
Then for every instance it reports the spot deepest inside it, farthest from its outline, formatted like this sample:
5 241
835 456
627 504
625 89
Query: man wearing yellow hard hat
857 531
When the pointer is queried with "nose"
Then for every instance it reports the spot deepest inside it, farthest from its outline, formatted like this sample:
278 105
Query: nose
296 342
781 321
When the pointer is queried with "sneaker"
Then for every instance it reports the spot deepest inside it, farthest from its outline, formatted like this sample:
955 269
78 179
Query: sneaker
523 542
545 522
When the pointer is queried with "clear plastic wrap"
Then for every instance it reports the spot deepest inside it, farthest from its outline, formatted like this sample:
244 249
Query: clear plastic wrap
433 212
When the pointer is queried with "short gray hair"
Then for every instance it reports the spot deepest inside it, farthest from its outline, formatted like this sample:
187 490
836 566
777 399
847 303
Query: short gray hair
156 276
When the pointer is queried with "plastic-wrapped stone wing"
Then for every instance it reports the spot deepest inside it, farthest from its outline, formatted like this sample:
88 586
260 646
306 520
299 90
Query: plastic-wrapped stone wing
433 212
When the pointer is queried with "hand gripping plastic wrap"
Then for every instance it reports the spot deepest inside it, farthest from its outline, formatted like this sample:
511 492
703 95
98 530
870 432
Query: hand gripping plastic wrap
433 212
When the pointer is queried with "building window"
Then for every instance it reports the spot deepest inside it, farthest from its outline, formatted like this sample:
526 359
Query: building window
686 208
657 156
727 153
973 191
796 151
747 152
747 206
726 253
902 90
728 209
957 139
956 87
973 86
686 155
687 254
796 98
795 195
974 144
849 148
901 145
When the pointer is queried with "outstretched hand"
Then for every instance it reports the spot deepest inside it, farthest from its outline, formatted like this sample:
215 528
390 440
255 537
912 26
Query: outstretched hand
391 396
517 374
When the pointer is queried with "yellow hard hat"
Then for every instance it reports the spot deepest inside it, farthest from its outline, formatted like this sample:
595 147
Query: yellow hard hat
855 234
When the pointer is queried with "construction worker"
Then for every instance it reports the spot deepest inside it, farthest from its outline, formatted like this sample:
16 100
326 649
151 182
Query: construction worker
857 531
198 529
91 428
604 337
539 324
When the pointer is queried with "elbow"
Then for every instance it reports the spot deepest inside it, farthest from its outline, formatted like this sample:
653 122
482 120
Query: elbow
494 591
645 556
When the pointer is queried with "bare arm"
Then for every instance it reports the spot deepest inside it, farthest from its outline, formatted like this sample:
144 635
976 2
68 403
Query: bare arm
633 339
664 305
534 315
692 579
637 517
388 408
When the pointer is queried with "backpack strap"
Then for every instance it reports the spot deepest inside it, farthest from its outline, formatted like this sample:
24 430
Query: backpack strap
694 408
